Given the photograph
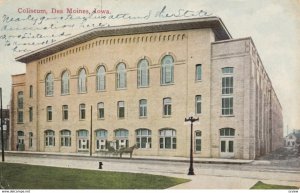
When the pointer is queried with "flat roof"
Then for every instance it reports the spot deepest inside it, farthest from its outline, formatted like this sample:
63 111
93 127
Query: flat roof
215 23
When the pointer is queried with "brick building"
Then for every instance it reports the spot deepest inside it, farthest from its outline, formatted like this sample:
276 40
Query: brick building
135 84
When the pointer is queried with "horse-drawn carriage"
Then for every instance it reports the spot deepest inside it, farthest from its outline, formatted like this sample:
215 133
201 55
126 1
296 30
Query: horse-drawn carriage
114 152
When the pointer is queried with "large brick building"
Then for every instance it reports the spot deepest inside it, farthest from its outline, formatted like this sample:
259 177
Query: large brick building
135 84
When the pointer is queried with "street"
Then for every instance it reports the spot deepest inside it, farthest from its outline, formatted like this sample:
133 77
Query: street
207 175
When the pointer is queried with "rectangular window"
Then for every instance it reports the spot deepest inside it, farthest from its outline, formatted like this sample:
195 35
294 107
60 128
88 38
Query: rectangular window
101 110
198 72
143 108
198 145
227 105
227 91
49 113
30 114
20 116
65 112
227 85
30 91
167 103
198 104
82 111
121 109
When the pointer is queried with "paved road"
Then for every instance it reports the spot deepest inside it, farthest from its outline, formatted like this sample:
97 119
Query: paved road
208 176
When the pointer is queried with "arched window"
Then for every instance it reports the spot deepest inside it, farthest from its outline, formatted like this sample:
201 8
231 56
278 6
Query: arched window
121 76
65 138
49 138
167 70
143 73
82 81
143 138
101 139
227 132
121 136
167 139
49 85
101 78
65 83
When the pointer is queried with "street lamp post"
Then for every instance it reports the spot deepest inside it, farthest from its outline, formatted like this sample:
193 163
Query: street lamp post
1 118
192 120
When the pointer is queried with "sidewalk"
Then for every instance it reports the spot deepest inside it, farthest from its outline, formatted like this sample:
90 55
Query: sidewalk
126 156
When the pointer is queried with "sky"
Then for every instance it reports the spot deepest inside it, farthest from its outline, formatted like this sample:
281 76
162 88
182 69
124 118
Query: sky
274 26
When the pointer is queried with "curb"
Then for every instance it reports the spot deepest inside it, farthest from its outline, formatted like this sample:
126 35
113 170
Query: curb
97 157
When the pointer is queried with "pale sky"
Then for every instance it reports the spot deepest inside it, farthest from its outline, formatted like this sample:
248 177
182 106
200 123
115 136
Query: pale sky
274 26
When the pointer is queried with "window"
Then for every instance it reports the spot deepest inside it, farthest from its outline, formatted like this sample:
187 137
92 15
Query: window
226 132
143 73
65 112
121 136
227 91
101 110
143 138
30 139
101 139
198 104
83 140
30 114
82 111
167 103
20 138
49 85
49 138
20 106
227 105
49 113
100 78
197 141
121 109
82 81
65 138
30 91
143 108
167 139
167 70
121 76
65 83
198 72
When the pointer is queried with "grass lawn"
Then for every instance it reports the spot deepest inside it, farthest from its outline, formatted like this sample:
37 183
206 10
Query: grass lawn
21 176
261 185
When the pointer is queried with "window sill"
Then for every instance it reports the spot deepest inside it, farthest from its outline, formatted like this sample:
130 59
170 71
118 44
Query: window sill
167 84
160 149
143 86
49 121
101 90
100 119
142 117
196 81
121 88
166 116
82 92
121 118
81 119
66 94
49 95
20 123
227 115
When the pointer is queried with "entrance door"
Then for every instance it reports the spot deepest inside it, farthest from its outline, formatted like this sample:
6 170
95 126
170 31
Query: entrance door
227 148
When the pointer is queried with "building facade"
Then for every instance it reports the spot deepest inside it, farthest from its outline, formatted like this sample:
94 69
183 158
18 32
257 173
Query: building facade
135 84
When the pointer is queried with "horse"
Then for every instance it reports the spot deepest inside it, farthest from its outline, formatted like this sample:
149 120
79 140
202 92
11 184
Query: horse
127 150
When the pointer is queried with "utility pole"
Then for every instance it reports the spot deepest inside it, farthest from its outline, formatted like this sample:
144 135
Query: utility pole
1 118
91 136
